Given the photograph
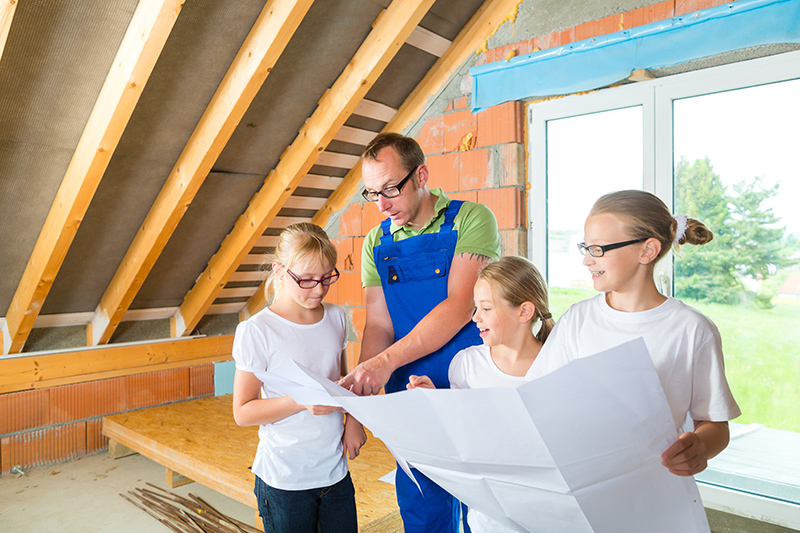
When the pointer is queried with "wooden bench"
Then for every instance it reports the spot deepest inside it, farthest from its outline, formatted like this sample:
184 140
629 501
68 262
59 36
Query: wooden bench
200 441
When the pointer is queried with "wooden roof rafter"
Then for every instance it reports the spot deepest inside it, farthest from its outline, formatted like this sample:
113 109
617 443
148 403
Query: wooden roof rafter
261 49
141 46
389 33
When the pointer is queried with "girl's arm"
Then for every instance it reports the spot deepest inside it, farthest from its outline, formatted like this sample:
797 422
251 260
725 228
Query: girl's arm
354 437
249 409
689 455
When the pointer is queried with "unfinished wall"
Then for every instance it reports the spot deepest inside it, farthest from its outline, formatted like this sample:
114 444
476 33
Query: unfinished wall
40 427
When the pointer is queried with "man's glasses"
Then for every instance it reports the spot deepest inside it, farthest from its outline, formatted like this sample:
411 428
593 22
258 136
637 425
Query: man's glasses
311 283
597 250
389 192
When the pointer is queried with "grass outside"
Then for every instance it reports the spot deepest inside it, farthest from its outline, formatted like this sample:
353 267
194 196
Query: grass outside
762 355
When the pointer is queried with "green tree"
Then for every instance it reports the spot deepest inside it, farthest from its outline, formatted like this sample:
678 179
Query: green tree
705 272
748 243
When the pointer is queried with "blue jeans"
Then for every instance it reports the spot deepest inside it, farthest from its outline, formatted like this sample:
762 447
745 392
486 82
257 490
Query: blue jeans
322 510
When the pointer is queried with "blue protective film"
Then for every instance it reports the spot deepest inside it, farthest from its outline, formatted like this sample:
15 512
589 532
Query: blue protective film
597 62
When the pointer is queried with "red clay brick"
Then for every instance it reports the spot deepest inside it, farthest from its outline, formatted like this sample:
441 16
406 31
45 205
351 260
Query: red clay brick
155 388
683 7
443 171
506 204
201 380
358 245
456 126
508 165
42 447
664 10
353 352
350 222
469 196
95 440
474 170
371 217
344 251
333 294
501 124
85 400
583 31
431 137
24 410
513 242
350 291
358 315
461 102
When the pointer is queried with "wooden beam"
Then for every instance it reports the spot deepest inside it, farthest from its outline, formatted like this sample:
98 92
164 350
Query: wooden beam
428 41
375 110
7 8
479 28
142 44
354 135
41 370
388 34
261 49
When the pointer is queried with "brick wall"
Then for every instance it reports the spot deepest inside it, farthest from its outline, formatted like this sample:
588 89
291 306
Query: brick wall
40 427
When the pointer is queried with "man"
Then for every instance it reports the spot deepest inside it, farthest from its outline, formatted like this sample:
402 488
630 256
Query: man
418 268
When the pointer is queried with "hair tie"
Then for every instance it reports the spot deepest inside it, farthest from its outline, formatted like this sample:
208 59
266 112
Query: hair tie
680 231
548 316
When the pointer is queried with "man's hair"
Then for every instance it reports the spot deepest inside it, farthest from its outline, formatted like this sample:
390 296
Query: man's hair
409 151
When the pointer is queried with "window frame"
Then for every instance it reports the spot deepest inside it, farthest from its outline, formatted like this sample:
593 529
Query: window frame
656 97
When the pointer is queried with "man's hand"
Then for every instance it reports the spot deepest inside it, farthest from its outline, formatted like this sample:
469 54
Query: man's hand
687 456
368 377
422 382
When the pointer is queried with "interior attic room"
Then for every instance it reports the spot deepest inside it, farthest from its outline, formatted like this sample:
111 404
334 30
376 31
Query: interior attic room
152 152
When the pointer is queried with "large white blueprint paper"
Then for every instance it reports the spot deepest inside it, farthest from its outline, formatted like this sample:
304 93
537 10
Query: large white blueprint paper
576 450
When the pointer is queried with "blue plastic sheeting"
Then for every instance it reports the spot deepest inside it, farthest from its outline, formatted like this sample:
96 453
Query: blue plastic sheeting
597 62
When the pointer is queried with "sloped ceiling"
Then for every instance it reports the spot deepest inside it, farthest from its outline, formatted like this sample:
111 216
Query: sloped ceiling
56 58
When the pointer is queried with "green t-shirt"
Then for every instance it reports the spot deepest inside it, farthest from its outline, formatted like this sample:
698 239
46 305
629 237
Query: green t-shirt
475 223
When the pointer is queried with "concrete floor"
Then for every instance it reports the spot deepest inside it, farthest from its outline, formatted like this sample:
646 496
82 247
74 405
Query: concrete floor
83 497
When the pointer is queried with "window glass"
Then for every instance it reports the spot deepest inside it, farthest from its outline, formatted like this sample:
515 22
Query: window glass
587 156
720 145
735 169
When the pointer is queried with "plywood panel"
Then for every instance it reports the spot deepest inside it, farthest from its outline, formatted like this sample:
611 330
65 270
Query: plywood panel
200 440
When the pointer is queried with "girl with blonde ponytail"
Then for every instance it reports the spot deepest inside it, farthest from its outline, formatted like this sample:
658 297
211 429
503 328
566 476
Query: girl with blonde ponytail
626 233
302 482
510 302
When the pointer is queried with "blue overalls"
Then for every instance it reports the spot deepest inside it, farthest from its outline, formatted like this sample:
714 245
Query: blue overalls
414 274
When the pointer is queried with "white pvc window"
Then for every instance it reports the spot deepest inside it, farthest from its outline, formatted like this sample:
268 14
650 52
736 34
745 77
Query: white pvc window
725 136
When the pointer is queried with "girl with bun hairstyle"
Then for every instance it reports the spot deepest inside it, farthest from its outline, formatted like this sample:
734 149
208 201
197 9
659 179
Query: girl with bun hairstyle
626 234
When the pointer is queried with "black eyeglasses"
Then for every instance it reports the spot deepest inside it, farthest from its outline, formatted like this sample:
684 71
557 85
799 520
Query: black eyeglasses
597 250
311 283
389 192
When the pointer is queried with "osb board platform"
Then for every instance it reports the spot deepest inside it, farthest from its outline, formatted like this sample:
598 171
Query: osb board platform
200 440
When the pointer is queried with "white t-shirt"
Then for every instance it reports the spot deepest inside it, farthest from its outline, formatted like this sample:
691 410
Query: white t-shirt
302 451
684 344
473 368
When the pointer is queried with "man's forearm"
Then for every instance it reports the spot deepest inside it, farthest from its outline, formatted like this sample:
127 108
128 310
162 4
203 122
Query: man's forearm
430 334
375 341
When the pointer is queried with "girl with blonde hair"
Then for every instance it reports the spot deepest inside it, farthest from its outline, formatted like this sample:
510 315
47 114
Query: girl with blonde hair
302 479
510 301
626 233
